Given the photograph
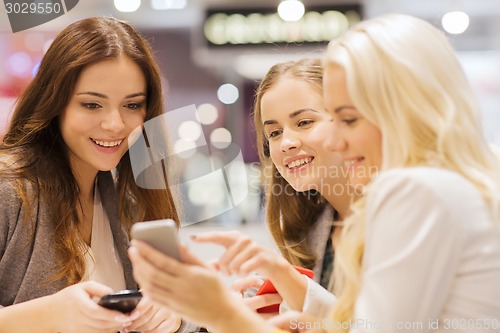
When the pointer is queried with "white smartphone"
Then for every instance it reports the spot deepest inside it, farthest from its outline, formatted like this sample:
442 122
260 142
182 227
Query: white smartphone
161 234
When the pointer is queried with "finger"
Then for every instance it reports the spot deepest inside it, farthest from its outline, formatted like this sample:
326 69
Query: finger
260 301
235 254
223 238
90 309
250 252
153 257
149 276
160 318
142 313
95 289
251 281
262 262
170 325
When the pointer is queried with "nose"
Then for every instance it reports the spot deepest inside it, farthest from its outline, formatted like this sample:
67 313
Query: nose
335 142
113 121
289 142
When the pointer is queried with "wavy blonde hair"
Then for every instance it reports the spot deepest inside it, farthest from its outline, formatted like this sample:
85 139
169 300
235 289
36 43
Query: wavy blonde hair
404 77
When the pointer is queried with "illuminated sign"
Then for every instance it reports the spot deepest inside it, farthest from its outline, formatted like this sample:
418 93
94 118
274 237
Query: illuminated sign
260 27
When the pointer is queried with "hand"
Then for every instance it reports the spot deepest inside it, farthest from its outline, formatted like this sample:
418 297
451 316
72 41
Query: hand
151 317
243 255
74 310
298 322
256 301
189 288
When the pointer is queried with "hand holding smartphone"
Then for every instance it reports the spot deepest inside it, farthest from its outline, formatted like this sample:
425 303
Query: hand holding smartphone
123 300
268 288
161 234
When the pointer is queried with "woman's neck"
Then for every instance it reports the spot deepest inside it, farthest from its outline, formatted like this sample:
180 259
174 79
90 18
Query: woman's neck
86 184
339 197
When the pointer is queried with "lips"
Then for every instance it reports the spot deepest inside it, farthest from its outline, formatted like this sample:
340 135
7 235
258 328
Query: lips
352 163
297 163
107 143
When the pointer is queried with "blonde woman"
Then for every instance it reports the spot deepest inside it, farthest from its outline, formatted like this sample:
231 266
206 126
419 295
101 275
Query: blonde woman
423 246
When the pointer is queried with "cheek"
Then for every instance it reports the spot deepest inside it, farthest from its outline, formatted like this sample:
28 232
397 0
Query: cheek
322 132
134 120
274 152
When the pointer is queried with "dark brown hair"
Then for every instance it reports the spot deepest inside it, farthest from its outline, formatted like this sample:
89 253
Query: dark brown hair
34 141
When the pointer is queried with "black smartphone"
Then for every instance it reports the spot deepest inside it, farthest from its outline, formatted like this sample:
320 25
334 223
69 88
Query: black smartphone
123 300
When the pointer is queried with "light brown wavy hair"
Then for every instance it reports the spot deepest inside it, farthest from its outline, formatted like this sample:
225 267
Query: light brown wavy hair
34 142
290 214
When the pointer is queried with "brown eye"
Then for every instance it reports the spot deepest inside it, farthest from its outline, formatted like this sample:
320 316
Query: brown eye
91 105
303 123
273 134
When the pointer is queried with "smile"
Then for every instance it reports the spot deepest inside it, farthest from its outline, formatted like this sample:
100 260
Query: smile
300 162
107 144
352 163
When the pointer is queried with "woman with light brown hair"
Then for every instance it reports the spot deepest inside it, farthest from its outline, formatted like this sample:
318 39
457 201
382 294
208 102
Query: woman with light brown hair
64 217
306 190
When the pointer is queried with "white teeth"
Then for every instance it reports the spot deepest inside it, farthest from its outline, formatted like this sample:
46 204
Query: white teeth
107 143
299 162
349 163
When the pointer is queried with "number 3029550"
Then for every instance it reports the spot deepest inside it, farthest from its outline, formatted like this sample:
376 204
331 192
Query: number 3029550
33 8
476 324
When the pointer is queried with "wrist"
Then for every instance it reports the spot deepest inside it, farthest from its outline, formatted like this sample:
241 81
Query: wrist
282 270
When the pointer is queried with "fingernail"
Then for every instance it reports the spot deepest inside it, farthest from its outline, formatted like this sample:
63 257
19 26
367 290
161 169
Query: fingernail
122 319
132 250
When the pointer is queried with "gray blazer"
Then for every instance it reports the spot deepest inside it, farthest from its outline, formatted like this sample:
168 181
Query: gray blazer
25 266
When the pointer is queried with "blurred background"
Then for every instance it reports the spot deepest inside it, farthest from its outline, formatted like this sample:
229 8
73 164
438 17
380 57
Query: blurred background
213 53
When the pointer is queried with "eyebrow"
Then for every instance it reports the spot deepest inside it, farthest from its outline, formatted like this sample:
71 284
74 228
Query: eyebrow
292 115
342 107
104 96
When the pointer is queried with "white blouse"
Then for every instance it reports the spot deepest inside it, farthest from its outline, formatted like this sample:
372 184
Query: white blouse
103 262
432 256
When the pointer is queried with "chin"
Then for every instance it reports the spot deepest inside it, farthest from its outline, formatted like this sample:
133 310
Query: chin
108 167
358 185
303 187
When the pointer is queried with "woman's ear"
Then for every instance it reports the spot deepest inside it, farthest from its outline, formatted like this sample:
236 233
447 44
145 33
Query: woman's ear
266 147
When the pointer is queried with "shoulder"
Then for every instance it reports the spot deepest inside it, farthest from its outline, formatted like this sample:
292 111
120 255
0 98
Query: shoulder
7 188
436 182
426 190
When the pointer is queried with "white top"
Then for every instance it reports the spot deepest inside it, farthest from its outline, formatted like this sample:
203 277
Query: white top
318 301
432 256
103 262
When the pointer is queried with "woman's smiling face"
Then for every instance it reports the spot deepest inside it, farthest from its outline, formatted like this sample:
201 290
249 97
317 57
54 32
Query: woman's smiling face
355 138
108 102
298 129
